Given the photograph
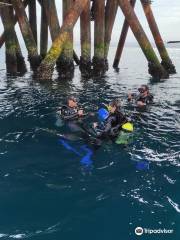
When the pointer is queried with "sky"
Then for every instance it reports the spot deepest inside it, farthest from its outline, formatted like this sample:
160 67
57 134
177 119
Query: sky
166 12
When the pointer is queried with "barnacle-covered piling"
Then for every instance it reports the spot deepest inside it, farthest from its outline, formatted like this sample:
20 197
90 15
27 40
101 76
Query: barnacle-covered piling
65 63
46 68
54 25
61 53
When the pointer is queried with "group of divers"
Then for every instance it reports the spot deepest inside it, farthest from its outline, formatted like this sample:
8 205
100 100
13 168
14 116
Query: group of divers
112 123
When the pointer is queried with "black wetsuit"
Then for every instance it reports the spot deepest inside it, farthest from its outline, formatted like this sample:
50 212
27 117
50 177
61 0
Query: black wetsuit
147 100
73 121
68 113
112 126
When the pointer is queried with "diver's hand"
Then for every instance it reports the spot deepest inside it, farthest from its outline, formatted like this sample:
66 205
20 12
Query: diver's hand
141 104
80 113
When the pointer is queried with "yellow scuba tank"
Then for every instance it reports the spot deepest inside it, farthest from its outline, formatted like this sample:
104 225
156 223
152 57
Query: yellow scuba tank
125 135
128 127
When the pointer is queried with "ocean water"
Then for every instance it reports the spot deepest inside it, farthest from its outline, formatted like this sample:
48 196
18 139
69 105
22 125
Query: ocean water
46 190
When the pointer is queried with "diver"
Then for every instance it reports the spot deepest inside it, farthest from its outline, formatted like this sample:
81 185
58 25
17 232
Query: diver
73 116
71 111
144 97
113 121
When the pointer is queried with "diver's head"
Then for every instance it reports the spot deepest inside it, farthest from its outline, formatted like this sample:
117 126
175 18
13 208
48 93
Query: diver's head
72 102
114 106
144 90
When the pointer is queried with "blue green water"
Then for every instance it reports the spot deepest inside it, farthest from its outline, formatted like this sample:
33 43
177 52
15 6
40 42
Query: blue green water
45 191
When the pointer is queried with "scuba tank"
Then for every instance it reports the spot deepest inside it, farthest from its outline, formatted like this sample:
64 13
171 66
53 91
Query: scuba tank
125 135
103 114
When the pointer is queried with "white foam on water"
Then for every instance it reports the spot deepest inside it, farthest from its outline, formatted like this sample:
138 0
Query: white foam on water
18 236
3 235
174 205
171 181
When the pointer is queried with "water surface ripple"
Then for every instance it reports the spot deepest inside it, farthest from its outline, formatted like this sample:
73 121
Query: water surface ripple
45 191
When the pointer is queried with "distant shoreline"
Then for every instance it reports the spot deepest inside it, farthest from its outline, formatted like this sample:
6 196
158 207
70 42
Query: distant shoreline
173 42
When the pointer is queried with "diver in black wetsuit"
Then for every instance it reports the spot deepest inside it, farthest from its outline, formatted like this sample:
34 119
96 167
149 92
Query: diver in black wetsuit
72 115
112 124
71 111
144 97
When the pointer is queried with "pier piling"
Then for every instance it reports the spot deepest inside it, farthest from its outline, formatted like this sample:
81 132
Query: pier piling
155 67
14 19
46 68
99 65
122 39
21 65
33 18
10 42
27 34
85 28
61 53
44 33
166 61
110 15
65 64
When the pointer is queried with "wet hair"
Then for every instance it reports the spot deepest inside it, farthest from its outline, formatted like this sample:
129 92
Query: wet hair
71 98
116 103
145 87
